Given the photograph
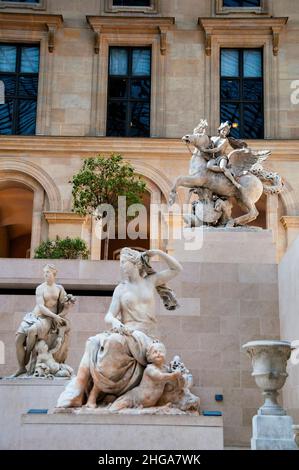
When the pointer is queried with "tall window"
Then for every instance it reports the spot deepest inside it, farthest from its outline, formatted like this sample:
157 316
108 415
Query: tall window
242 3
19 65
129 90
241 92
132 3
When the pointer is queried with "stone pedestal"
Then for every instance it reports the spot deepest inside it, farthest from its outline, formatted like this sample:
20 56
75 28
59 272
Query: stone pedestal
272 433
225 245
17 396
93 429
96 431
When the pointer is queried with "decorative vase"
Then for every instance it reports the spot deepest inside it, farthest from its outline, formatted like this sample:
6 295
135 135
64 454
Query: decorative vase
269 362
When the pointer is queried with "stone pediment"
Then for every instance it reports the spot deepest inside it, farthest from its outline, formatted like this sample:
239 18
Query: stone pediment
32 22
131 25
242 27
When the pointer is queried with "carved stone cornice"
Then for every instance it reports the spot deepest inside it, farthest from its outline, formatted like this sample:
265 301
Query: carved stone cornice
32 22
64 217
290 222
283 150
131 25
242 26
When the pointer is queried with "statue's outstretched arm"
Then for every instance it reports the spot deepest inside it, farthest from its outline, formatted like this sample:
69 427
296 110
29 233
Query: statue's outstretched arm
164 276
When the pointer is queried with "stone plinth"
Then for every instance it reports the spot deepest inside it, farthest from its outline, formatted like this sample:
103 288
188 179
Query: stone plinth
17 396
67 431
225 245
272 433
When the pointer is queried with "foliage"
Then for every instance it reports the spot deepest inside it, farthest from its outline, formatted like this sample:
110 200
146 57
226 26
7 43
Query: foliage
101 181
62 248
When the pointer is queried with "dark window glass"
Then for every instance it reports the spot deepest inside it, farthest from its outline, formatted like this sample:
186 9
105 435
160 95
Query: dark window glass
19 65
129 90
132 3
230 89
241 92
242 3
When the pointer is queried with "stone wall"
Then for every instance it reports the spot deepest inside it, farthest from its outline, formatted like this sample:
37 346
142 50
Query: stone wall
288 275
187 93
223 305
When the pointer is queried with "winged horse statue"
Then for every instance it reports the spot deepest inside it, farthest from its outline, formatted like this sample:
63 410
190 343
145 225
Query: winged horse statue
238 173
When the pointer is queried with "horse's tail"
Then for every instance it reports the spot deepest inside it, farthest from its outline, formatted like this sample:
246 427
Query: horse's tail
268 176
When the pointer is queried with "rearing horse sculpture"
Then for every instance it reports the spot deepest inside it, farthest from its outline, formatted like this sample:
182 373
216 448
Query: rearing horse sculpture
246 166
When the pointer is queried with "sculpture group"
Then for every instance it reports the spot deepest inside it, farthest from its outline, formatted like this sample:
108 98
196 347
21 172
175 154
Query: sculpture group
123 367
43 335
223 168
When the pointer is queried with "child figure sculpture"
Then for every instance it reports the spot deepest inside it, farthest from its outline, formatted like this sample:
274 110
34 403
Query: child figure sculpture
46 366
153 382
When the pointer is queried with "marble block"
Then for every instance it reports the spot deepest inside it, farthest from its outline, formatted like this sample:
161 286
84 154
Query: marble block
272 433
96 431
226 245
17 396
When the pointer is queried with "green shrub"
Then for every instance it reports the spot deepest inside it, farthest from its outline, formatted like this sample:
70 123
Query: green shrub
62 248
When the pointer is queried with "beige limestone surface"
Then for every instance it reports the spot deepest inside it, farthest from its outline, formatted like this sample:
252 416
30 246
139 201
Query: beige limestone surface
72 103
64 431
288 275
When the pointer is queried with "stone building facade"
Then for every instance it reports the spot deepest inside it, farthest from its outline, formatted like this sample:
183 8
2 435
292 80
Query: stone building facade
69 121
72 114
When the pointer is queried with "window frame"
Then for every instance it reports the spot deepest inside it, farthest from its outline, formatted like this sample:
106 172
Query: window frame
225 33
128 31
241 79
152 9
263 9
129 77
42 5
17 74
18 29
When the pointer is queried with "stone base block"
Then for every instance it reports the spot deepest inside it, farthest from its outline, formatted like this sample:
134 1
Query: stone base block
120 432
272 433
17 396
95 431
226 245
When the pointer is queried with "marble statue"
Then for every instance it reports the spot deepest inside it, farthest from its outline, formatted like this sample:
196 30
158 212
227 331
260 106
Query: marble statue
208 209
152 384
227 174
124 366
46 325
46 366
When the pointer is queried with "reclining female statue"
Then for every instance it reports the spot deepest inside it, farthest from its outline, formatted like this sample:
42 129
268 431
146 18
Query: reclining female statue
114 361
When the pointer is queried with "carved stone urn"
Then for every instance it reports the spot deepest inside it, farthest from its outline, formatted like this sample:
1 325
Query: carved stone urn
269 362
